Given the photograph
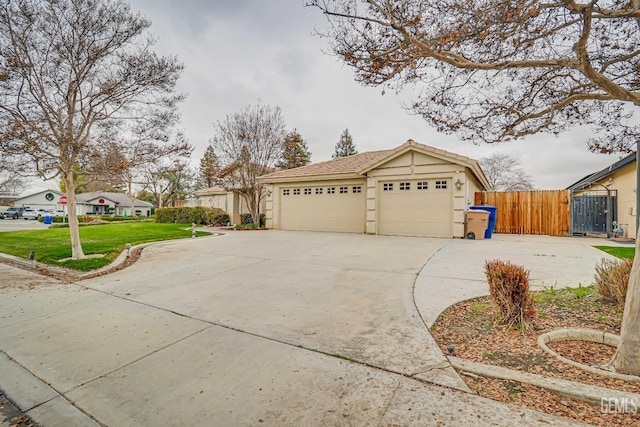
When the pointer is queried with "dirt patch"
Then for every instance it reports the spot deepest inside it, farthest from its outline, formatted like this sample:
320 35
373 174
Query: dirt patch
472 329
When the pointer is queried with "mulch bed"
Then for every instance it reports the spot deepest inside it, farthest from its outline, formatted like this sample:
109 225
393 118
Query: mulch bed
68 276
12 416
471 328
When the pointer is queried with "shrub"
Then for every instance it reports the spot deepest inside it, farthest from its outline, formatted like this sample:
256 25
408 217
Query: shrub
509 287
612 278
247 219
188 215
221 219
165 215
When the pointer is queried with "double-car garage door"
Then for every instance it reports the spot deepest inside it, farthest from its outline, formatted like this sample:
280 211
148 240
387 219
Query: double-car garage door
332 207
420 207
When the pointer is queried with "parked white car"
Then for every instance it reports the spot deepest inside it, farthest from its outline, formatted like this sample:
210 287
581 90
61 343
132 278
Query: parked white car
29 213
53 212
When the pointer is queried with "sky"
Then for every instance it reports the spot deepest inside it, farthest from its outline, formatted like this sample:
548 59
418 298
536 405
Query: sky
239 52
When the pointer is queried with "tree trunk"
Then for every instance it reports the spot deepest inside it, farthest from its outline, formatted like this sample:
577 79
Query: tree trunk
76 245
131 198
250 198
627 357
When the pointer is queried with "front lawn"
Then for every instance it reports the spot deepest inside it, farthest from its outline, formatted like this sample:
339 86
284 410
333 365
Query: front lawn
54 244
619 251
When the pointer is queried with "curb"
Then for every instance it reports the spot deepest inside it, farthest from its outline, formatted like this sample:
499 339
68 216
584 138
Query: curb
76 275
587 393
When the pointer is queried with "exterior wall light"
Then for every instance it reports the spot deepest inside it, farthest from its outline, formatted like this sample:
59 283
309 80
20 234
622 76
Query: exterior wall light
458 184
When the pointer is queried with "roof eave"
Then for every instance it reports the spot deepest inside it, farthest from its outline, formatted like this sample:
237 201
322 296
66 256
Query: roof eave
324 177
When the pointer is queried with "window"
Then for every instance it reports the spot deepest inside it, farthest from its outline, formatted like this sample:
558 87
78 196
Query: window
319 190
344 190
388 186
423 185
331 190
405 186
286 192
357 189
441 185
296 191
307 191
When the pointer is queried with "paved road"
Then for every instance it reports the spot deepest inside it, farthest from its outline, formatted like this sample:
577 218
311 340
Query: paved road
20 224
273 328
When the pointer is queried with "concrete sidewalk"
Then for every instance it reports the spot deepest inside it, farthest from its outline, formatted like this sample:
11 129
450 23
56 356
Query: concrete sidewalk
456 271
270 328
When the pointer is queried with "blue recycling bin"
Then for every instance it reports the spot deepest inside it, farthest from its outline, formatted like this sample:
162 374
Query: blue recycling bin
492 218
47 219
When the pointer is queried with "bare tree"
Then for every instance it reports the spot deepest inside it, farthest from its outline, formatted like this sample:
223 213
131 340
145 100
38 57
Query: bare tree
499 70
12 171
250 142
169 181
505 174
65 67
126 157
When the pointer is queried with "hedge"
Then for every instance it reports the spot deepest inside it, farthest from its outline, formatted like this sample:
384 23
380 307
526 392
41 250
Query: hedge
189 215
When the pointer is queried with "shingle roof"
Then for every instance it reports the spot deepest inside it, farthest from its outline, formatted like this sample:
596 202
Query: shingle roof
117 198
360 164
345 165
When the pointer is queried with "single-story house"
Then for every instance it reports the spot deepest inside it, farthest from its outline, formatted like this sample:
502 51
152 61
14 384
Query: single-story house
411 190
97 202
226 195
619 176
104 203
45 199
229 201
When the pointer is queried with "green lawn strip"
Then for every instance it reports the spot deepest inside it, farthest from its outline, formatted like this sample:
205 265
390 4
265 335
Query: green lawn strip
54 244
618 251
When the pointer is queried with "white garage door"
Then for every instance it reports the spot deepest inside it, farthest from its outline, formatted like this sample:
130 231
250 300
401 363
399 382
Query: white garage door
415 208
323 208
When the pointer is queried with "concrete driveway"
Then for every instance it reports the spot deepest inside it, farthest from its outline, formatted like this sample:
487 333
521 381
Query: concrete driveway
275 328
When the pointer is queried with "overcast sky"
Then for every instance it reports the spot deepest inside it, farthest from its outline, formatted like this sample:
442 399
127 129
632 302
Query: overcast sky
237 52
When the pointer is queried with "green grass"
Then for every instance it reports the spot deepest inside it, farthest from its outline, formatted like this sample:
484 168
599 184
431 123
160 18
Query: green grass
54 244
619 251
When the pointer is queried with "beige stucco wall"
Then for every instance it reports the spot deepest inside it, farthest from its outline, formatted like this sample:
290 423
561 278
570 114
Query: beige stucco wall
414 165
623 180
410 166
232 203
325 215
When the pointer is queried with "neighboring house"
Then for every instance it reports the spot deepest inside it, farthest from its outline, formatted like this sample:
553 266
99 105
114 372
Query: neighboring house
226 196
229 201
621 177
97 202
100 202
411 190
46 199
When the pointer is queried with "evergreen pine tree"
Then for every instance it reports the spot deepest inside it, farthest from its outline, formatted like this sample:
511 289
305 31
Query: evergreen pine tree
345 146
295 152
209 168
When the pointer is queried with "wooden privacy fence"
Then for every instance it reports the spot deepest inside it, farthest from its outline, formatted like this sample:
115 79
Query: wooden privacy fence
530 212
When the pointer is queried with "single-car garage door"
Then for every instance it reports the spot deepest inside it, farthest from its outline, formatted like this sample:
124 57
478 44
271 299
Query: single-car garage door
323 208
415 208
